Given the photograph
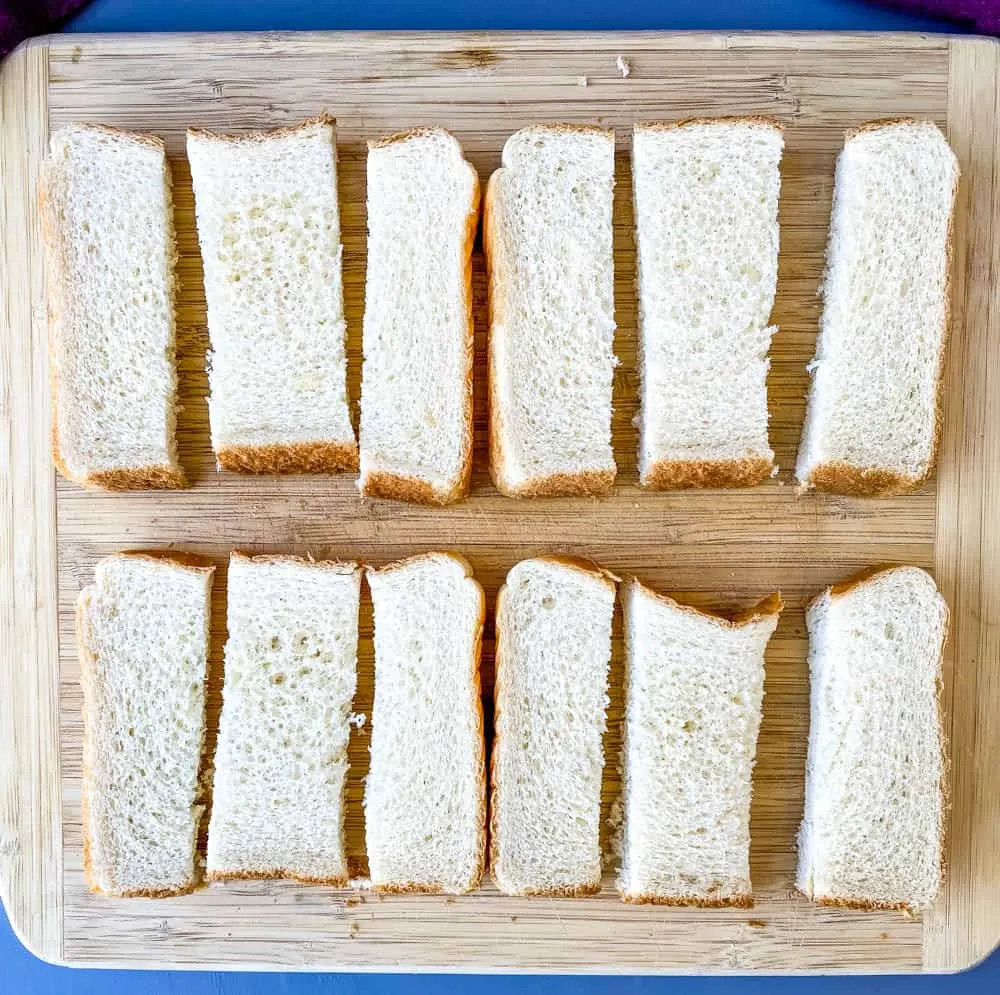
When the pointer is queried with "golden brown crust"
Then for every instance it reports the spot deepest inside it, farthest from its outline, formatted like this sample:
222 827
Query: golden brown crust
768 607
732 901
865 904
291 457
274 874
589 483
758 119
859 481
177 558
577 891
140 138
593 570
665 475
138 478
255 137
879 123
338 566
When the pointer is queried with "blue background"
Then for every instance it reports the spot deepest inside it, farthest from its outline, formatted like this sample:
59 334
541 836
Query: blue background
20 973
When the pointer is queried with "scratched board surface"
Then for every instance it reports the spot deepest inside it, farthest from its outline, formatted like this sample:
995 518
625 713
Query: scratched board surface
720 550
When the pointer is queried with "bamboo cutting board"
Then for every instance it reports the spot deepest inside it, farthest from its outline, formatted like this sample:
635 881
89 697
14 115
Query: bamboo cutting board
721 550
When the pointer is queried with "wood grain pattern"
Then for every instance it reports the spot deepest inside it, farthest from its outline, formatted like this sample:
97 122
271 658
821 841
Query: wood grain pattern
719 550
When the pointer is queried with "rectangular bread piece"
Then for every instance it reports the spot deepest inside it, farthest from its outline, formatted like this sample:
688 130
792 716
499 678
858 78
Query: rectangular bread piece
416 392
269 227
553 650
872 833
872 421
108 226
425 797
143 639
706 220
281 760
694 687
548 238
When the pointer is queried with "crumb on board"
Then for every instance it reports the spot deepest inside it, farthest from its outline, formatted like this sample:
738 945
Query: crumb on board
354 930
513 918
450 900
756 923
582 81
624 66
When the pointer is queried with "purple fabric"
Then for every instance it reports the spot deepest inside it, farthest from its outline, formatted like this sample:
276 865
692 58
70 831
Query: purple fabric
983 15
20 19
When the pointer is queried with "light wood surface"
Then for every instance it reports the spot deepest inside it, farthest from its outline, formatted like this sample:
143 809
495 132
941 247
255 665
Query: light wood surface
717 549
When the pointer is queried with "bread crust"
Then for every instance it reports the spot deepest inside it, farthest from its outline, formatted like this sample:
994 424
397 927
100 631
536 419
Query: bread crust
753 119
666 475
840 477
289 457
400 487
274 874
153 477
743 901
184 561
434 888
768 607
255 137
588 483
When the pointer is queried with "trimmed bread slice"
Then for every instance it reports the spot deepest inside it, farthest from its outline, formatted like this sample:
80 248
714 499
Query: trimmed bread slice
694 687
706 219
548 238
142 639
553 651
269 228
425 797
416 391
874 812
108 226
281 760
872 422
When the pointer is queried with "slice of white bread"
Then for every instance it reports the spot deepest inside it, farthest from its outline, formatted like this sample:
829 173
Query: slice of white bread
269 227
872 833
425 797
553 651
281 759
872 423
694 687
108 226
706 219
142 631
549 249
416 391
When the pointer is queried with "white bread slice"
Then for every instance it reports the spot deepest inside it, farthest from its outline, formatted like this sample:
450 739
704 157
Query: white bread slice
874 812
281 760
142 632
269 228
706 219
694 687
416 392
872 423
425 797
108 227
549 249
553 650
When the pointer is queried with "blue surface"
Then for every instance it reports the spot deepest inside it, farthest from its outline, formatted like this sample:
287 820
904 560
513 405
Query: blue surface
20 973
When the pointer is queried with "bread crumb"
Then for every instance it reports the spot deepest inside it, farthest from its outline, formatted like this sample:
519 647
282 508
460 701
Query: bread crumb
774 470
357 719
513 918
450 900
360 884
756 923
355 929
624 66
582 81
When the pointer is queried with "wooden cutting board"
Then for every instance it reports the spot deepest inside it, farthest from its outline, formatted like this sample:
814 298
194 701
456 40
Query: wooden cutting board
722 550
